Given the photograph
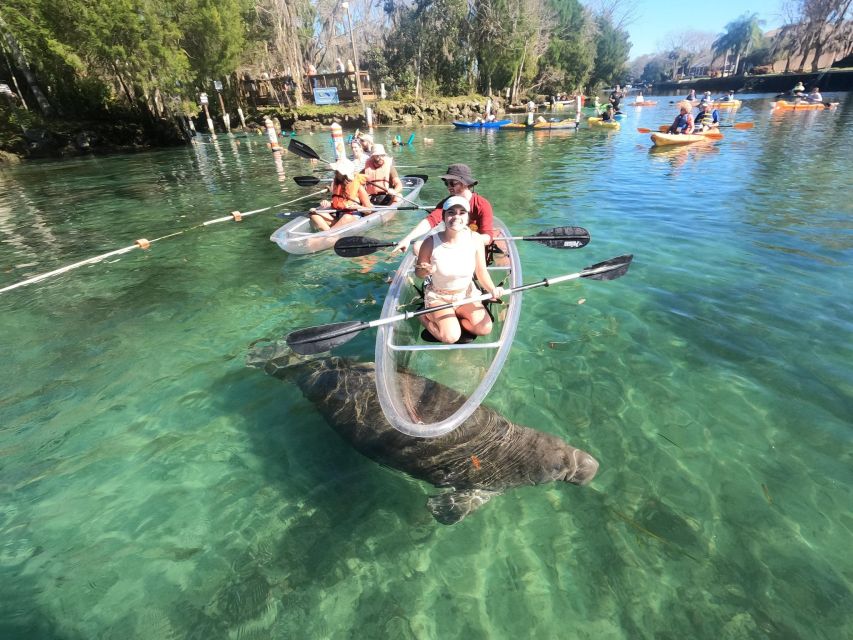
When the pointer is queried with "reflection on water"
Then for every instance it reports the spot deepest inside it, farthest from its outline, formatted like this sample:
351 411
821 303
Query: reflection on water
153 487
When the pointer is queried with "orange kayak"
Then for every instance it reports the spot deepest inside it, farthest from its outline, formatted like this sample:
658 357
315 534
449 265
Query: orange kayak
782 105
727 104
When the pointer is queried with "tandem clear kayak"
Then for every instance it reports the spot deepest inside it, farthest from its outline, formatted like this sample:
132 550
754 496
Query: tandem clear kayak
299 237
470 369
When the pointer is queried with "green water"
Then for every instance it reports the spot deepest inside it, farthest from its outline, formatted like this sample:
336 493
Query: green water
154 487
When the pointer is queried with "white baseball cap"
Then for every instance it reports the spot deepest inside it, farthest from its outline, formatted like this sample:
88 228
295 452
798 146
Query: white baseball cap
345 167
453 201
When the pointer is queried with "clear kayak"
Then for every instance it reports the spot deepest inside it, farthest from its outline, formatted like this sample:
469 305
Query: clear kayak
470 369
298 236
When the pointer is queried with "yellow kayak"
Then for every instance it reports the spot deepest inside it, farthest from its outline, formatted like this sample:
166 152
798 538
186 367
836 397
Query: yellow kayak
666 139
727 104
521 126
598 122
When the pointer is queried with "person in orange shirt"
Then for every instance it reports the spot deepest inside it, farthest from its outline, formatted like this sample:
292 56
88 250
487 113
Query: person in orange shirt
349 198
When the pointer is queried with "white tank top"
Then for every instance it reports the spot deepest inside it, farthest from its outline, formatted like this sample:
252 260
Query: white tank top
454 263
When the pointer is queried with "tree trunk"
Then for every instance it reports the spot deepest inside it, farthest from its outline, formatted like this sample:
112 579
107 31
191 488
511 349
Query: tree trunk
24 68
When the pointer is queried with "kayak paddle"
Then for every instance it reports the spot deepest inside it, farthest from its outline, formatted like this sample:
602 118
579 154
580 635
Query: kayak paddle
322 338
310 181
304 151
288 214
557 238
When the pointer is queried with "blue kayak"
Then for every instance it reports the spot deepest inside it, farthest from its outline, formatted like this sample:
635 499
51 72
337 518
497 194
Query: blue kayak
495 124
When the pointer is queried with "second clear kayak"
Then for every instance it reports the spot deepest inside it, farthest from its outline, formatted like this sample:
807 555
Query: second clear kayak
299 237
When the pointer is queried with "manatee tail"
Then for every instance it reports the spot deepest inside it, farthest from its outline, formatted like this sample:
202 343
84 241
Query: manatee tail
451 507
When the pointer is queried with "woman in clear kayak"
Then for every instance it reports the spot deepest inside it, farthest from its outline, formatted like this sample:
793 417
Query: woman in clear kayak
349 198
448 261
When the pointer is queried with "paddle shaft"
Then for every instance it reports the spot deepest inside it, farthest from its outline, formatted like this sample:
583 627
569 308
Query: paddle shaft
324 337
545 282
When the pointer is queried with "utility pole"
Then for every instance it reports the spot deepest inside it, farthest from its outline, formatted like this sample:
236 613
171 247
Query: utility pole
345 5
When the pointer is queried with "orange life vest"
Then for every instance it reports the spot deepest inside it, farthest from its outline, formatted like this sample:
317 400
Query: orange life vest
345 195
378 179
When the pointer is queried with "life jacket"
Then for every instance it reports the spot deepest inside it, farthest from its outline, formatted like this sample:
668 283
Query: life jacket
345 195
704 118
378 179
682 120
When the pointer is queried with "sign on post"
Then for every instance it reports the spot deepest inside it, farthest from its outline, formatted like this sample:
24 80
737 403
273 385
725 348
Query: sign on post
202 98
326 95
217 85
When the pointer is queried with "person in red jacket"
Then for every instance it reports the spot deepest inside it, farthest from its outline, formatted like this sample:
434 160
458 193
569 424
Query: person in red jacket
459 182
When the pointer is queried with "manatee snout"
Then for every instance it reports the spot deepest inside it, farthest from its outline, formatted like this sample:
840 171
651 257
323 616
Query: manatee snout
581 469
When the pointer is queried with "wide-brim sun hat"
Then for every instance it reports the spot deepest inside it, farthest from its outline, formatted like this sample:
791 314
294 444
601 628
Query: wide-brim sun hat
345 167
460 172
454 201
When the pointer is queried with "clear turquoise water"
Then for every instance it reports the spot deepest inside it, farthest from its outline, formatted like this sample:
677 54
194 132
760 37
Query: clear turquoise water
153 487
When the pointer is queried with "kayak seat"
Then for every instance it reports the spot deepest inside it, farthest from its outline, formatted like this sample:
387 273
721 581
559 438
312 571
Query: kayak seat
465 338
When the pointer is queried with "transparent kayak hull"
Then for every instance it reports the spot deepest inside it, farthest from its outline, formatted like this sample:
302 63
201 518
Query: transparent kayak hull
469 369
298 236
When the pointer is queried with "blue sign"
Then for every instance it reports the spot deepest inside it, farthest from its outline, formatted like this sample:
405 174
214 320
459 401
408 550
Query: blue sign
326 95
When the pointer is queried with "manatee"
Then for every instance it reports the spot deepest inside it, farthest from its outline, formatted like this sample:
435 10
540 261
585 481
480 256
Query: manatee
486 455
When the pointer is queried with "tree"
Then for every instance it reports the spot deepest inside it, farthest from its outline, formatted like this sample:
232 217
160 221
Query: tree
740 36
611 53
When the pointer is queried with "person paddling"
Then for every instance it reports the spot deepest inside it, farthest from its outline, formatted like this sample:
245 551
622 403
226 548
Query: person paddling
347 191
683 122
448 261
459 182
383 185
707 118
815 95
608 115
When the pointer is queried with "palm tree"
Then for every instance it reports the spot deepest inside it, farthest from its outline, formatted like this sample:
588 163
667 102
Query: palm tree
740 36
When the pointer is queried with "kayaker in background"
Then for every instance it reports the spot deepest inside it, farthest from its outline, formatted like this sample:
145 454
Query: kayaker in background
608 114
347 192
448 261
691 96
459 182
683 122
359 158
383 185
707 118
366 141
616 97
815 95
798 89
729 97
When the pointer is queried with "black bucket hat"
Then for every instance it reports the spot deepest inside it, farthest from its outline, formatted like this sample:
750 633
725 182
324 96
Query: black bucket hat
459 172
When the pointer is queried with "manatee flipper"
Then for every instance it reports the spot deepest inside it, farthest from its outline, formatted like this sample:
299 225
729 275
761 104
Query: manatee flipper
451 507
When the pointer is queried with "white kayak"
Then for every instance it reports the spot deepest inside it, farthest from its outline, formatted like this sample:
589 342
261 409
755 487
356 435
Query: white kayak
469 369
297 236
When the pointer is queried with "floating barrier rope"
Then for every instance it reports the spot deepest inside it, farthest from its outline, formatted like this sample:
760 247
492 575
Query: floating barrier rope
143 243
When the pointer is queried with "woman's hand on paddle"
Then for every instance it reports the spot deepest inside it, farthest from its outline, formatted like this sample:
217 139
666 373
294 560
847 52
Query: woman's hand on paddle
401 247
325 204
497 293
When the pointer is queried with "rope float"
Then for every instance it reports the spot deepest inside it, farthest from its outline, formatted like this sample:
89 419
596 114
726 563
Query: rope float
144 244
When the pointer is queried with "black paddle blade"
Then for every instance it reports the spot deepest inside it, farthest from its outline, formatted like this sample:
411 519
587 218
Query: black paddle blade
301 149
563 238
307 342
355 246
618 268
307 181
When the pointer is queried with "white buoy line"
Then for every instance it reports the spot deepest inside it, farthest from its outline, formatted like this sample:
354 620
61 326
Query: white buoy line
142 243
